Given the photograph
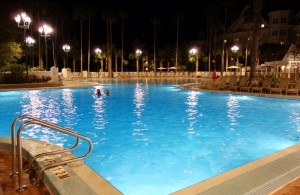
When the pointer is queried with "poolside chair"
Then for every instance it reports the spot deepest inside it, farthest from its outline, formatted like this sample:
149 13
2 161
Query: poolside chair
232 82
242 82
281 86
295 89
219 83
264 86
249 85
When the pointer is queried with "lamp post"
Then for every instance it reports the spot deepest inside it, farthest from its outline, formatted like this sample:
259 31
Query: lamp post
45 31
138 53
98 52
29 42
66 49
23 21
194 53
235 49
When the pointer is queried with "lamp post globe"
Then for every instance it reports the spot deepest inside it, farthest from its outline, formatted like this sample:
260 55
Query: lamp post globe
194 53
98 51
29 43
23 22
138 53
45 32
235 49
66 49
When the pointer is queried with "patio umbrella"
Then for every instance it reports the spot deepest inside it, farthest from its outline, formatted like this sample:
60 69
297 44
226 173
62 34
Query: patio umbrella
172 68
233 67
161 68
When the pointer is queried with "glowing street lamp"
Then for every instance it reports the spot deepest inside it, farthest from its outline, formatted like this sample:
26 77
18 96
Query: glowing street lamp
194 53
138 53
98 52
235 49
66 49
29 42
23 21
45 31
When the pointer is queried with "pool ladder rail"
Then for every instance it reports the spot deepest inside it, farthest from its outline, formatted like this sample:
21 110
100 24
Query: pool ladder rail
36 172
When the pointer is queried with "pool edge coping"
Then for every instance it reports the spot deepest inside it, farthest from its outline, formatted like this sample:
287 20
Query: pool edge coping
219 181
92 179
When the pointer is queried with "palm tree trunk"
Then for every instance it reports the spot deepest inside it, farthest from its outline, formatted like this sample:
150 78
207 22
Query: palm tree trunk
154 48
122 55
89 45
176 53
110 51
256 25
81 68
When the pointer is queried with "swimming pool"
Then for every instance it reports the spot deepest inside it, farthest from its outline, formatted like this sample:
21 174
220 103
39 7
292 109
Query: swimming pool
153 138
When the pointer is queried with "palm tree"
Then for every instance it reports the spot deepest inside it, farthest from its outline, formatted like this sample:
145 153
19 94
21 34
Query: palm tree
227 5
123 15
110 17
80 13
155 21
257 9
179 18
90 11
117 54
212 24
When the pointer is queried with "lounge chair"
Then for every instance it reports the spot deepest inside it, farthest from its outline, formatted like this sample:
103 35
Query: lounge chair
295 88
232 82
243 81
264 86
281 86
219 83
249 85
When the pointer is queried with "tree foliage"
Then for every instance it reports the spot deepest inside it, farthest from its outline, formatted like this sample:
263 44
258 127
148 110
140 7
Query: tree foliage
13 73
10 52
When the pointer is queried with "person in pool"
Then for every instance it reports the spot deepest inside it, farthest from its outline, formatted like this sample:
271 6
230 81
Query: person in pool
98 93
106 92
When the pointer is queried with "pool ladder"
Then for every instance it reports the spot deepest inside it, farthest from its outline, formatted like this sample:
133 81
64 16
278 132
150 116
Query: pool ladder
17 149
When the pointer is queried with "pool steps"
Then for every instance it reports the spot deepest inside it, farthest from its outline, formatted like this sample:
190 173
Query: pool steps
73 178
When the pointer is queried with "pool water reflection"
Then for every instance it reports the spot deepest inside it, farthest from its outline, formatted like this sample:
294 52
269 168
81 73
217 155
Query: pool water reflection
153 138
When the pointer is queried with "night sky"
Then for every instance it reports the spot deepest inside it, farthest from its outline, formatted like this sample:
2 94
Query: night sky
138 27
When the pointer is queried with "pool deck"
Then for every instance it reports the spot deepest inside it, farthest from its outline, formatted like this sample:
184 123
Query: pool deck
275 174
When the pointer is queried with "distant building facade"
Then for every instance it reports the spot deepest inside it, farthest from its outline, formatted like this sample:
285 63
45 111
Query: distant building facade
282 27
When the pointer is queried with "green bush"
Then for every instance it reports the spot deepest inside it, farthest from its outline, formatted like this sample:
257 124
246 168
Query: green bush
13 73
37 69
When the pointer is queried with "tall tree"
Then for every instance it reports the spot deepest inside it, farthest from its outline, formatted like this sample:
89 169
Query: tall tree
155 21
227 5
110 17
179 18
213 25
123 15
257 9
80 13
90 11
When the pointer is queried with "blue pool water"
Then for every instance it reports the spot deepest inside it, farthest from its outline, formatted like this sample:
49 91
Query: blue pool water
153 138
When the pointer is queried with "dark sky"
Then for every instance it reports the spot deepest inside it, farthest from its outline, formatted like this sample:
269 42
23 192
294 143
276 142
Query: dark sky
138 24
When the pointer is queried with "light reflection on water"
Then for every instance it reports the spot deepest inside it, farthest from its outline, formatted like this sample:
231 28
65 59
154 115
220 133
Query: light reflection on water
192 110
146 134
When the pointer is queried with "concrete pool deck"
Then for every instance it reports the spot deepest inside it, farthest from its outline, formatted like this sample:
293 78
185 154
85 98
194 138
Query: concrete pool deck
275 174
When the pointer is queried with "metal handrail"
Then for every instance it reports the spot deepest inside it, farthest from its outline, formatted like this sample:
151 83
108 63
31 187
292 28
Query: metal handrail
51 153
13 143
13 140
54 127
